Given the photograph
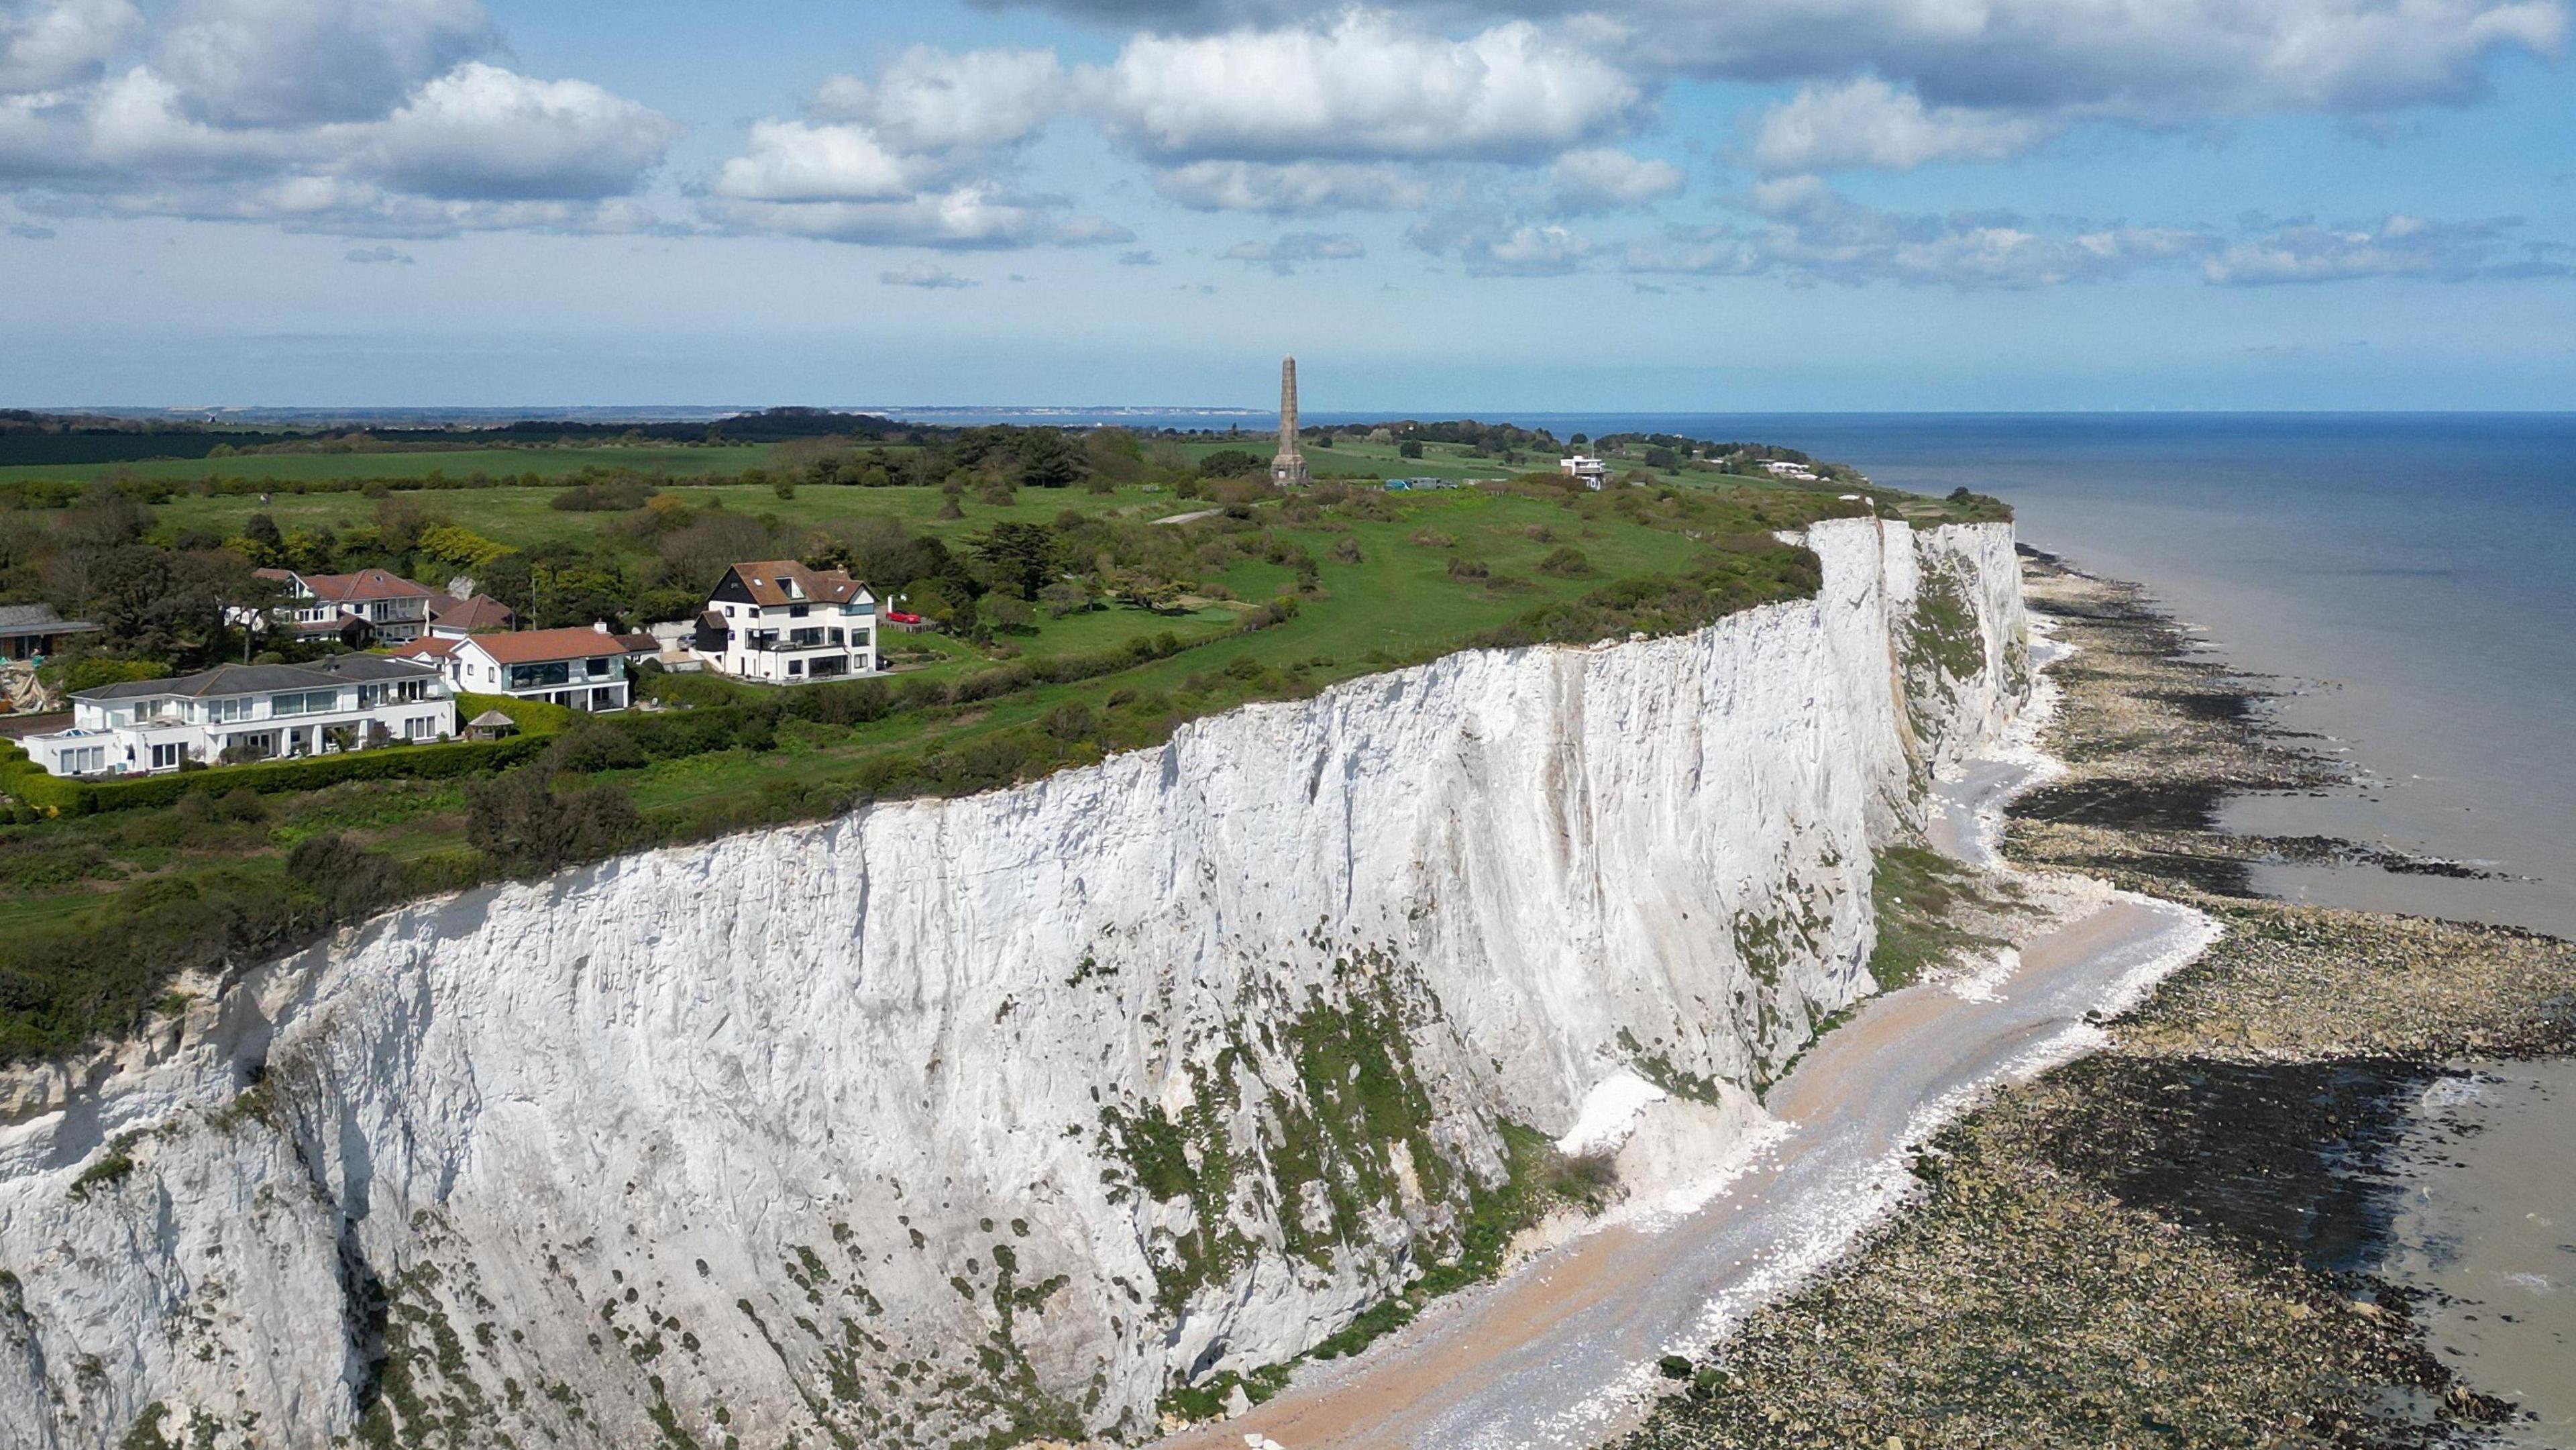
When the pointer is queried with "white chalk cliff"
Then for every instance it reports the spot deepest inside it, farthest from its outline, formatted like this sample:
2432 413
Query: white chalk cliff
998 1115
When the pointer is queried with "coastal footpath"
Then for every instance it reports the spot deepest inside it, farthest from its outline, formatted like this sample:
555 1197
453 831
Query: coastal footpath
1005 1116
2158 1243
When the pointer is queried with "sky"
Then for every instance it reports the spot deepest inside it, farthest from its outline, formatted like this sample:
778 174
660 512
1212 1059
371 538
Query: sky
1451 205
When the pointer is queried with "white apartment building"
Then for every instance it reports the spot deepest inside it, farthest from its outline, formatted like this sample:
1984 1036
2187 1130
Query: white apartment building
579 669
778 621
258 712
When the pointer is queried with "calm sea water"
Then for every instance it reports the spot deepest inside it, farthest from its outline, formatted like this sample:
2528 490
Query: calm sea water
2417 577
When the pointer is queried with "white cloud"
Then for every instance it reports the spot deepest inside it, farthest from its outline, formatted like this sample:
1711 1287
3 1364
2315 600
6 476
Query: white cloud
2399 246
929 276
1295 188
356 115
1288 252
50 43
1607 179
1868 122
934 100
480 132
2163 60
1806 233
914 156
794 161
1490 248
304 62
380 254
1360 86
974 216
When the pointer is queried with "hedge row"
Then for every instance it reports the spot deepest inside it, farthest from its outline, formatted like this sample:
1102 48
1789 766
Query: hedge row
29 782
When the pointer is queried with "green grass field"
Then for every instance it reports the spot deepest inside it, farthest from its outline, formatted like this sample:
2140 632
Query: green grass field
546 461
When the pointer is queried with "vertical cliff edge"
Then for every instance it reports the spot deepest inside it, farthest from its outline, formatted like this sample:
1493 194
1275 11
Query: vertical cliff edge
971 1120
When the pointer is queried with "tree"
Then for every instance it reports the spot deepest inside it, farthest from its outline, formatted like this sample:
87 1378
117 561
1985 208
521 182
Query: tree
1049 460
1409 448
1021 556
106 517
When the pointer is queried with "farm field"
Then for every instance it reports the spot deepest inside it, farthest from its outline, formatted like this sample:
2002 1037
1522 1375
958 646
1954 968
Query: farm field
676 460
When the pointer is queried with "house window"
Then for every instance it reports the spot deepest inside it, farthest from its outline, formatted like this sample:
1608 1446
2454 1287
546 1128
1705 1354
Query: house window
166 757
796 611
416 728
85 760
225 712
795 667
596 667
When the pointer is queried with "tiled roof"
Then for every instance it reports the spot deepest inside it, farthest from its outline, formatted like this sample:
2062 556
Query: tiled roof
428 647
470 615
364 585
257 679
767 581
542 646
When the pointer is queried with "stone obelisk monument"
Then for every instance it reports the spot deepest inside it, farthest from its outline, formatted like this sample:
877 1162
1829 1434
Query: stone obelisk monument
1289 466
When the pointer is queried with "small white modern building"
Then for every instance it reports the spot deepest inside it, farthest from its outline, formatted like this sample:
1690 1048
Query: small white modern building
579 669
1585 468
252 712
777 621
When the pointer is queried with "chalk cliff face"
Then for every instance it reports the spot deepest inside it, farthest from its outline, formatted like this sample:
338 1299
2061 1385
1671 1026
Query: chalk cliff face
997 1115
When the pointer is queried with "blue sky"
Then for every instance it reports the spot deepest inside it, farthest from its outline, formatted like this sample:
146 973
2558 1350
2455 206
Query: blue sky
1643 205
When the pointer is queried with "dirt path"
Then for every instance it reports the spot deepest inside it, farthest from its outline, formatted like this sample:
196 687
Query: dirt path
1562 1351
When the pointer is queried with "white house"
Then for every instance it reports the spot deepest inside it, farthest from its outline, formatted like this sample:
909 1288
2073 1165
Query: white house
392 606
1591 471
778 621
580 669
256 712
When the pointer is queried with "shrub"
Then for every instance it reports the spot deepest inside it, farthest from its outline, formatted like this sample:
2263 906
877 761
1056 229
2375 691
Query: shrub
610 496
1230 463
526 826
1461 567
595 746
351 880
1565 562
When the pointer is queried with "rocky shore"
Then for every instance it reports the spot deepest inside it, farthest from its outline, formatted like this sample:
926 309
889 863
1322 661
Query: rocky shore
2163 1243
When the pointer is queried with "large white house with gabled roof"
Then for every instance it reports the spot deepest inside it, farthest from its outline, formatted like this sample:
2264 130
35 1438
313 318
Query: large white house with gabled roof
779 621
256 712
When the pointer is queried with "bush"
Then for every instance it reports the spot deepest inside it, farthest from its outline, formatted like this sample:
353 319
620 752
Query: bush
1230 463
1567 562
611 496
527 827
1461 567
595 746
351 880
28 781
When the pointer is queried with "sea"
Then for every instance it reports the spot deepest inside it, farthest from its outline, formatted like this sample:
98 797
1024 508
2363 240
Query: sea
2410 581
